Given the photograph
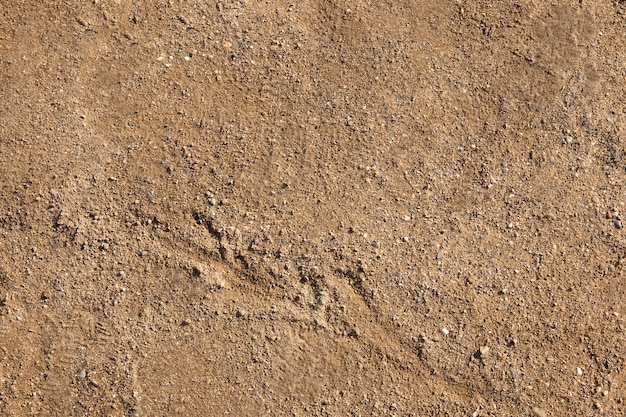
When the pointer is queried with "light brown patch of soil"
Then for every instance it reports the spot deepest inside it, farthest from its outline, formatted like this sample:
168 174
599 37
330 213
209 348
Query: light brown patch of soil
312 208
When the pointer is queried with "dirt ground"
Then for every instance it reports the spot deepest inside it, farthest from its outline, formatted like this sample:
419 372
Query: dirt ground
312 208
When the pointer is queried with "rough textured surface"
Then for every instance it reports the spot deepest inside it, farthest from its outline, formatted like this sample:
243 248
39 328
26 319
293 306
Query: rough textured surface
344 207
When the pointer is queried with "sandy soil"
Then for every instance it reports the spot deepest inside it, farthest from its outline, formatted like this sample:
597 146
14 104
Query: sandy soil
315 208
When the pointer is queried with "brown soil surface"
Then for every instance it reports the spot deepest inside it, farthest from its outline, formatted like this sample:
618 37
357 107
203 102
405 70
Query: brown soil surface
323 207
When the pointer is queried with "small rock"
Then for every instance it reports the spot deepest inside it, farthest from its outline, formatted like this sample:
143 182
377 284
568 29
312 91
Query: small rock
483 351
81 374
539 412
406 218
579 371
445 331
240 313
439 255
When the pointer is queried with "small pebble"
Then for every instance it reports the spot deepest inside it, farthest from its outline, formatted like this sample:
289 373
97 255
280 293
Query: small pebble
579 371
445 331
440 255
539 412
240 313
81 374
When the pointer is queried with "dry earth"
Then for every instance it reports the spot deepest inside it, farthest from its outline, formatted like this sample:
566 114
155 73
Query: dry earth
316 207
